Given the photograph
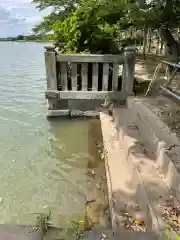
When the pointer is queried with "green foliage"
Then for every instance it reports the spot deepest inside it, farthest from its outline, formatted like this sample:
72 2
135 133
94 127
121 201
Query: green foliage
167 236
67 33
97 25
42 223
91 28
84 31
77 229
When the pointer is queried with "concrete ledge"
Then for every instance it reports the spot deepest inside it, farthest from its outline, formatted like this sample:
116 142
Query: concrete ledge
150 189
99 233
58 113
26 232
127 142
72 113
92 95
104 118
85 95
123 183
160 141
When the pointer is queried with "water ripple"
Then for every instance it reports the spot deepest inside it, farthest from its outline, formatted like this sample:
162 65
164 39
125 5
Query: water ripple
40 161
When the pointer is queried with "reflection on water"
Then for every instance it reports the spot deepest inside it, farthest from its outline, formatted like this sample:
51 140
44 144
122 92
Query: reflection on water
41 163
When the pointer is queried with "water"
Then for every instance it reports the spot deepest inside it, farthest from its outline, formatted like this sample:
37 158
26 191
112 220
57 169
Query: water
42 164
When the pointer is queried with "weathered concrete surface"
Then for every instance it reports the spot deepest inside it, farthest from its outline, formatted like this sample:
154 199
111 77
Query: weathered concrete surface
25 232
8 232
132 173
115 168
76 108
159 139
151 190
123 184
100 233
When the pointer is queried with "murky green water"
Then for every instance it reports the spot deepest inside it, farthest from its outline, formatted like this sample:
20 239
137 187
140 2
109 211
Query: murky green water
41 162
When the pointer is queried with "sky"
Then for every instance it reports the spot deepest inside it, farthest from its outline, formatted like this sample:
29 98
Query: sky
18 17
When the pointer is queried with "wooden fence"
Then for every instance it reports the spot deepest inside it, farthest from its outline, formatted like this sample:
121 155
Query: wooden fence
73 79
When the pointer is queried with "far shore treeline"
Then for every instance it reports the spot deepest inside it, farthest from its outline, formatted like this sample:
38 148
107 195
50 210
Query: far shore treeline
28 38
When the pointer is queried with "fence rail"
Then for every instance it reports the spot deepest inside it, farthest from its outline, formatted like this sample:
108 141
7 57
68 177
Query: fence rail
87 77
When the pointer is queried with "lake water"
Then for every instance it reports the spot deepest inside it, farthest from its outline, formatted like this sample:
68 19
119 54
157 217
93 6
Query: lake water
42 163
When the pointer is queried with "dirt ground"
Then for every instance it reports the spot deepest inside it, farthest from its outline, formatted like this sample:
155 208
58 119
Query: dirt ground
144 71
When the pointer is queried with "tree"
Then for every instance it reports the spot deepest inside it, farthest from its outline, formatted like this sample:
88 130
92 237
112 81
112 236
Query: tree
89 28
20 37
165 21
97 25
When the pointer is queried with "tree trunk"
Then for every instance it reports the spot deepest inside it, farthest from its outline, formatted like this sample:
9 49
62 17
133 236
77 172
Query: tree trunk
172 46
145 40
161 47
149 40
135 35
141 39
157 44
131 33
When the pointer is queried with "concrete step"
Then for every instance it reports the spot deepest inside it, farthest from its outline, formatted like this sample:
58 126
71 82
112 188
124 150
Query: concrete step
122 185
161 142
110 235
151 191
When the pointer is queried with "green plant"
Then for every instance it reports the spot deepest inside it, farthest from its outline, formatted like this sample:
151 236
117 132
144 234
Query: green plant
108 105
42 223
74 229
167 237
77 229
102 151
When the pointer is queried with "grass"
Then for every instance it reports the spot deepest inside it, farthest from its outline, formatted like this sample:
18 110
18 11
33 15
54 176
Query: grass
42 223
167 236
74 229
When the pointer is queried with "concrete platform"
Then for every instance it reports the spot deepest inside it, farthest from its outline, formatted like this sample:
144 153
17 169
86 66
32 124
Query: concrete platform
161 142
110 235
22 232
138 171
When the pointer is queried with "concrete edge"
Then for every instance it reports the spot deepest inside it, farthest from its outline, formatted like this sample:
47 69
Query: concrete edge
72 113
136 105
152 221
151 128
108 177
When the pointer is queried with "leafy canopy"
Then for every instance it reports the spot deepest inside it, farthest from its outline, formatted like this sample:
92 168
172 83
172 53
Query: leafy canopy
96 25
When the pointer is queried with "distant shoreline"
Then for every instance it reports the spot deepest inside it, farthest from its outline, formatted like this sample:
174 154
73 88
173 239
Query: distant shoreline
27 41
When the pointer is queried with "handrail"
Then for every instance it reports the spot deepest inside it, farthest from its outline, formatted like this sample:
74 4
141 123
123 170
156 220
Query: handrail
175 65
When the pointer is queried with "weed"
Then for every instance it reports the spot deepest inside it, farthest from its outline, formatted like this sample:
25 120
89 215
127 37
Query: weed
108 105
42 223
167 237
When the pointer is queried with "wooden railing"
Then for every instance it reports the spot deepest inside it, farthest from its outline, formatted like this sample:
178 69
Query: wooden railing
87 77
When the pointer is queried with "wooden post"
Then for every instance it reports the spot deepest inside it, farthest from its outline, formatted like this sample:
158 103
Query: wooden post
128 70
51 76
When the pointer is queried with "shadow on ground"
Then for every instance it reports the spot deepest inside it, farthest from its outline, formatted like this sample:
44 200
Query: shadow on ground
133 199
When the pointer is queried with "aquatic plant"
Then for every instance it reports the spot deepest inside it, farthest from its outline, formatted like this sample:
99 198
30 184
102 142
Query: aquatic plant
42 223
102 151
78 229
108 105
